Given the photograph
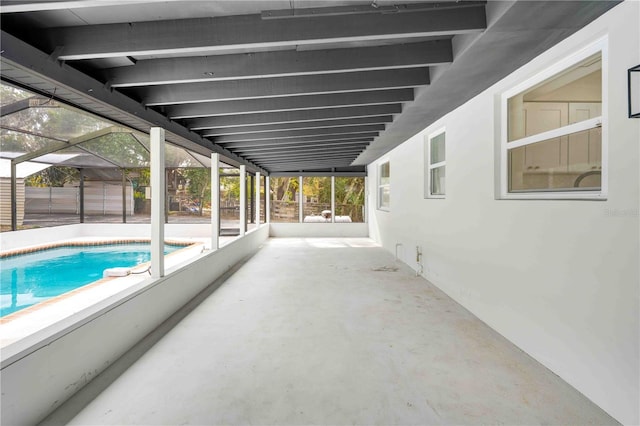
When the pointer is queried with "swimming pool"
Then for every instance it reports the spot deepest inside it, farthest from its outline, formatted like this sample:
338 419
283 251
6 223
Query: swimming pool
32 278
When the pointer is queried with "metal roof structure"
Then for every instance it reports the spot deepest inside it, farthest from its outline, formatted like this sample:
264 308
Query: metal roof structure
281 86
77 140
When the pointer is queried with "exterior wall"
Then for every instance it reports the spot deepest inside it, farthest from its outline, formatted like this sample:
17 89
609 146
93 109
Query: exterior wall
310 230
58 361
559 278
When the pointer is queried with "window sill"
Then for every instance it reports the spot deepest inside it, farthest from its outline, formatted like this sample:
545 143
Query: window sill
584 196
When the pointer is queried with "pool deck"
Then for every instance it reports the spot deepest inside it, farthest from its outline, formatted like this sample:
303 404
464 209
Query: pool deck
328 331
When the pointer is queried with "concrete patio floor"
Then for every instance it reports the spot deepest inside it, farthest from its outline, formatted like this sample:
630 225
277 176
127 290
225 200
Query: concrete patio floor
331 331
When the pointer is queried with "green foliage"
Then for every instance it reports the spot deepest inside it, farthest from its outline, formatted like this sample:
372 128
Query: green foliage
121 148
230 188
317 188
140 181
350 191
9 94
53 176
198 185
284 188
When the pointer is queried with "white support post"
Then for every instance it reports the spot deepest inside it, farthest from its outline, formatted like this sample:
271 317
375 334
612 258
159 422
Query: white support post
267 194
157 202
215 201
300 202
243 200
14 196
366 200
258 199
333 199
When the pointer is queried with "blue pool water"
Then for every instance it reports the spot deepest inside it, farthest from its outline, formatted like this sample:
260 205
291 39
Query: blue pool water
35 277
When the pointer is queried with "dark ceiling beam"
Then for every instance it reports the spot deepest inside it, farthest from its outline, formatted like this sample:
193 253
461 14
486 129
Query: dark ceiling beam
359 10
287 152
315 159
289 104
318 170
319 145
301 155
303 164
299 125
314 171
343 171
288 134
280 86
354 152
221 34
307 165
279 64
347 157
291 116
306 140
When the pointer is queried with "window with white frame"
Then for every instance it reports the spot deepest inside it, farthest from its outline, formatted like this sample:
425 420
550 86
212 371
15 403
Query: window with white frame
552 143
384 181
435 165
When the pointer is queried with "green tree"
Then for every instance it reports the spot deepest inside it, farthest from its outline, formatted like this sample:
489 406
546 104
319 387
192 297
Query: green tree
53 176
198 185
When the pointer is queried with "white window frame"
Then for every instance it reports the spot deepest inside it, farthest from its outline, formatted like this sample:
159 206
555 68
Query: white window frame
428 166
599 46
381 185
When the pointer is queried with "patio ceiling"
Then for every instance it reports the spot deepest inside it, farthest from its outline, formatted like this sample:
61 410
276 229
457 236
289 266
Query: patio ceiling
281 86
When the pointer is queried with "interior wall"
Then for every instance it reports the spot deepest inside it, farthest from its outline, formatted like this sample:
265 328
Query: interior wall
559 278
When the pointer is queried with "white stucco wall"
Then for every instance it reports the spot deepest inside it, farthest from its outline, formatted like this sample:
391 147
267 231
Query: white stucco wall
558 278
312 230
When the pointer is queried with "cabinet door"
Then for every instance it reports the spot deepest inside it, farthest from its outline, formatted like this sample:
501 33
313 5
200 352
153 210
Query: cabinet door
585 148
541 117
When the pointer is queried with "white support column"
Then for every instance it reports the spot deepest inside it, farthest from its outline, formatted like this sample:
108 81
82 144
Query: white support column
157 202
258 199
14 196
215 201
366 200
243 200
300 202
267 194
333 199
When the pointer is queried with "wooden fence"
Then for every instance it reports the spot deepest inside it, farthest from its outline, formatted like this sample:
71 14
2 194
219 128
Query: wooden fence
287 211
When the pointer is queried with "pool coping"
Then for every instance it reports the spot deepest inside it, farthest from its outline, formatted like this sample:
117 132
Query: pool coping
84 243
